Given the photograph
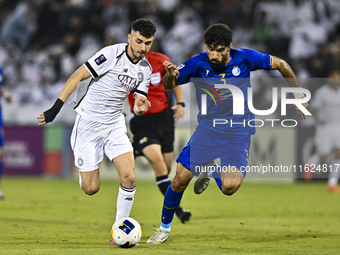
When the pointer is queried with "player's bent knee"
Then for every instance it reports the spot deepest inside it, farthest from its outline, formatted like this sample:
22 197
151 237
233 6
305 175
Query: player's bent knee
128 181
228 192
178 185
91 189
230 186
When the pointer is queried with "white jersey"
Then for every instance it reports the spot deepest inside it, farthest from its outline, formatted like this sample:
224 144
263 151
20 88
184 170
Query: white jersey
114 76
326 102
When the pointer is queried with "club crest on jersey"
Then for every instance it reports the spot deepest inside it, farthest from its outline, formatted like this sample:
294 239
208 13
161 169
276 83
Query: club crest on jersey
100 60
236 71
140 76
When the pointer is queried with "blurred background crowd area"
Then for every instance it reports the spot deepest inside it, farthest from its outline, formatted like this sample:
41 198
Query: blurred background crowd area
42 42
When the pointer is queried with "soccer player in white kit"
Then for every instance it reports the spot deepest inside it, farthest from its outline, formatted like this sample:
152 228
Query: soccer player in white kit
326 111
100 127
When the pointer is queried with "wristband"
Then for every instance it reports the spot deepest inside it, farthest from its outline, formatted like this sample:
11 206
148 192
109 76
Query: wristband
181 103
52 112
136 109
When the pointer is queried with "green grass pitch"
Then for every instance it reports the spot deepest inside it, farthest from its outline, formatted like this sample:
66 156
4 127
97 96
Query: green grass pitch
42 216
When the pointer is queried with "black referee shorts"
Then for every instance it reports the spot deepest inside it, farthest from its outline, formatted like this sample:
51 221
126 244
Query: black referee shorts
153 129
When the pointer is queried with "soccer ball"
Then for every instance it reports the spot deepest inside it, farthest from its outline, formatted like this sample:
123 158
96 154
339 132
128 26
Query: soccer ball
126 232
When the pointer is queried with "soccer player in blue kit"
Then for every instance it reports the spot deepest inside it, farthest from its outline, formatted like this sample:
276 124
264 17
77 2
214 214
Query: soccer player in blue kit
229 143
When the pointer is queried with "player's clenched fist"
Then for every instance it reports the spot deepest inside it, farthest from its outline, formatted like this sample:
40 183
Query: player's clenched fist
171 68
141 105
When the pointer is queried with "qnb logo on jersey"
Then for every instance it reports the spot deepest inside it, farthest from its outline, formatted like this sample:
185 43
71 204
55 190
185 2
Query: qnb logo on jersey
127 81
238 103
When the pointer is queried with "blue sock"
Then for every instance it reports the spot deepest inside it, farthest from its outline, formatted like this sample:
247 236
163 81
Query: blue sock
172 200
218 182
217 176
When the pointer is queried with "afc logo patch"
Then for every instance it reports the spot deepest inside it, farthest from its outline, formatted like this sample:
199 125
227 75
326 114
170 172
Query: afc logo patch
100 60
180 66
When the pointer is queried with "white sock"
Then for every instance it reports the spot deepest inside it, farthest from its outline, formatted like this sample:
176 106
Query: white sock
165 229
124 202
335 174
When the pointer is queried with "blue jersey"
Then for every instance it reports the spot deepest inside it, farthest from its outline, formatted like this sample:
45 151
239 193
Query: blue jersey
219 102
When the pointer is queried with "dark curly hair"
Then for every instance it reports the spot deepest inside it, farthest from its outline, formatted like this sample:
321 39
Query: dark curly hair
218 34
144 26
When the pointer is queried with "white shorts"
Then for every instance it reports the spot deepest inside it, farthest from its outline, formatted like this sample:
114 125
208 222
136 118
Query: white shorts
327 138
90 139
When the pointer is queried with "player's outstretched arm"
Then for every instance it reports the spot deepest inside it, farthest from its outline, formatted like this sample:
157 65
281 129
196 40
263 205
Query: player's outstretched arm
141 105
170 78
287 72
70 86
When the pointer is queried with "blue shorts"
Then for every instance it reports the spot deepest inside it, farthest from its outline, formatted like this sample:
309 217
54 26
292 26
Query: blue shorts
206 145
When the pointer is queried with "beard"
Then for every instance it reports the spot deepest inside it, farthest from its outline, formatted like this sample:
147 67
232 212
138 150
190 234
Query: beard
138 55
217 64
